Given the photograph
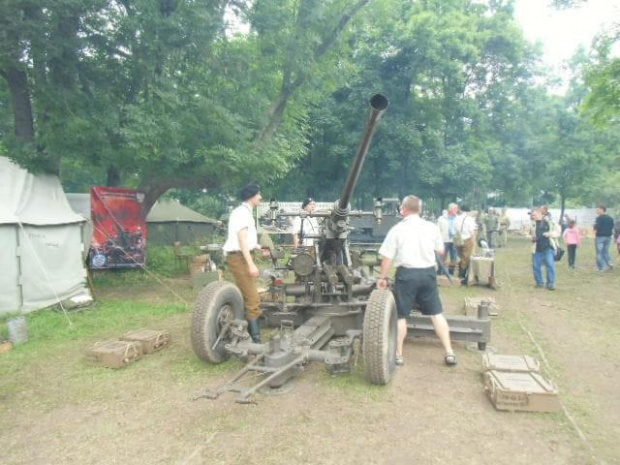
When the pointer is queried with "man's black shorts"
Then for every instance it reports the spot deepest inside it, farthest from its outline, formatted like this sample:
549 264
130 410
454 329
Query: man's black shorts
416 286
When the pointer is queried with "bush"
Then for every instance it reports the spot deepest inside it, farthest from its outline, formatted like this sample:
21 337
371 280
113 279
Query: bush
160 260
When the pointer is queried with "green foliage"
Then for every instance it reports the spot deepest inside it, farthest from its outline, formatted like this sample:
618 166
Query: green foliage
604 100
578 153
161 95
602 76
118 277
163 262
449 69
213 204
604 186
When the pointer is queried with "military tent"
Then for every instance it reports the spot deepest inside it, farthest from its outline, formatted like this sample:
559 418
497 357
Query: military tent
169 222
41 237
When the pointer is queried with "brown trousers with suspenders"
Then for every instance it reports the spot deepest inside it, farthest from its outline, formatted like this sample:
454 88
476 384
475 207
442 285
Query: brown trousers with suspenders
238 267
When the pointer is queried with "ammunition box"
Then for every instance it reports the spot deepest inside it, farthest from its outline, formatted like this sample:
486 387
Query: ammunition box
526 392
510 363
470 305
149 339
115 354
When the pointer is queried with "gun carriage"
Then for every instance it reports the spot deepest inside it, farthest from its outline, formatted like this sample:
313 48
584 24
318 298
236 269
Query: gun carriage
332 312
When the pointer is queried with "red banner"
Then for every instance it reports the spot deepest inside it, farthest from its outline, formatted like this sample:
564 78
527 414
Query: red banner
119 230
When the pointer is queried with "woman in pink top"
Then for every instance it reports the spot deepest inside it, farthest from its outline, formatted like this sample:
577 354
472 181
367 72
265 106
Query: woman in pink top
573 240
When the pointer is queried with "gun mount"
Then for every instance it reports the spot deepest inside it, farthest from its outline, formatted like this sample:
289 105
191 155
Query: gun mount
331 312
372 231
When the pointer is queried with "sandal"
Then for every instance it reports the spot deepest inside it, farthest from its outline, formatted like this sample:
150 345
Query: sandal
450 360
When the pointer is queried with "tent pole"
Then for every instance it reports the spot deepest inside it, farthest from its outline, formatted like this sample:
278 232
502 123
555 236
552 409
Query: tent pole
18 256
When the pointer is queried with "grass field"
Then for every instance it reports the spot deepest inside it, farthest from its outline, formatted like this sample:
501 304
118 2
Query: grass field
57 407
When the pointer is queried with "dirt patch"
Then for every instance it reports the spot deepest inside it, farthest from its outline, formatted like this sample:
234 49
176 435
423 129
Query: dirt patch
62 410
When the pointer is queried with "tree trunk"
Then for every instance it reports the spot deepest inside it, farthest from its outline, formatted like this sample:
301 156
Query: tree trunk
442 202
151 195
113 177
22 106
39 65
562 206
64 61
154 188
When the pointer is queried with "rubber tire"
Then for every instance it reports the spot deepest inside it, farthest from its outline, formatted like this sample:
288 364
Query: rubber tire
205 316
379 338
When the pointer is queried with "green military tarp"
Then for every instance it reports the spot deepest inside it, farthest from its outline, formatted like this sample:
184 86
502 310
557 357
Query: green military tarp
169 222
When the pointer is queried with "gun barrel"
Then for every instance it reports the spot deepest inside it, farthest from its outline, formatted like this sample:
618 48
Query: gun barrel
378 105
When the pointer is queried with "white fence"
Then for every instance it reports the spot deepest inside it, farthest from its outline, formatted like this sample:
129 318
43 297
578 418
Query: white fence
585 217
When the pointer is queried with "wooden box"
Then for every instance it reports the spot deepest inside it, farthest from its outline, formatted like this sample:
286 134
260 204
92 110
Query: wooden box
149 339
527 392
482 271
470 305
115 354
510 363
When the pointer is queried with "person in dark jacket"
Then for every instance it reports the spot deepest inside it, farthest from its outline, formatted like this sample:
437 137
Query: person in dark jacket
543 236
604 228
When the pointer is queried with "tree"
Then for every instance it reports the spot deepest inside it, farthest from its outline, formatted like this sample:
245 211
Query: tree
576 152
562 4
451 69
158 94
603 78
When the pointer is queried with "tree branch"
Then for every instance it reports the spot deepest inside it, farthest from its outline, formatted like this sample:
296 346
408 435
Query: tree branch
153 187
276 112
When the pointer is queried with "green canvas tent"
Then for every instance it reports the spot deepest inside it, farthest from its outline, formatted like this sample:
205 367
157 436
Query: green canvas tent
169 222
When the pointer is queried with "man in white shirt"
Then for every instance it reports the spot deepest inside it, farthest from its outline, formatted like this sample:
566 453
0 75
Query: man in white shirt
305 226
411 246
446 226
242 239
465 226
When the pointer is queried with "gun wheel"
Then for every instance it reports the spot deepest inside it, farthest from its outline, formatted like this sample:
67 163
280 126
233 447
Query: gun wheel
218 304
379 337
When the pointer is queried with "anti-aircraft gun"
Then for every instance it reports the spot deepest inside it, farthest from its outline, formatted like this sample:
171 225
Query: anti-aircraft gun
333 312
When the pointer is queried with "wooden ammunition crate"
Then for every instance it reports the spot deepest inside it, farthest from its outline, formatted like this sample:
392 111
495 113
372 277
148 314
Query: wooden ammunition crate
115 354
470 305
527 392
482 272
510 363
149 339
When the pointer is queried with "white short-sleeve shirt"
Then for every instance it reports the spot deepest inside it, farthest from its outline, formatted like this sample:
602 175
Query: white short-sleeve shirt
310 227
241 218
465 225
412 243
